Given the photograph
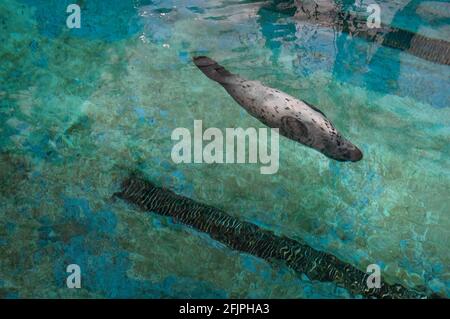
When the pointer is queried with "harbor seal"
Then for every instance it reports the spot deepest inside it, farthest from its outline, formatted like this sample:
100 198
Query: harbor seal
296 119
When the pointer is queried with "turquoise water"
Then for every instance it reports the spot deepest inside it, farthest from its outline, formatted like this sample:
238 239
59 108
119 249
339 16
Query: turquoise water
81 108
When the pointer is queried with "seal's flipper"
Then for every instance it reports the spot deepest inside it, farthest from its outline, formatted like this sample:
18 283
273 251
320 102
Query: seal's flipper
314 108
212 69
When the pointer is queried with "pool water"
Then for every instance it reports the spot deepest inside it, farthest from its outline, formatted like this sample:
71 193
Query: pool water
82 108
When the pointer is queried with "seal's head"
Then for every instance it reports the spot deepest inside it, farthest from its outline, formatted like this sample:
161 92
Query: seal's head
342 150
317 132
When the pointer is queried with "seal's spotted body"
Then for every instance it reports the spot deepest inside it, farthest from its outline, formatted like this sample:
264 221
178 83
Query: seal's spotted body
296 119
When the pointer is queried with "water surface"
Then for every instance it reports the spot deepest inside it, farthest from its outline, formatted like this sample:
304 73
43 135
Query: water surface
80 109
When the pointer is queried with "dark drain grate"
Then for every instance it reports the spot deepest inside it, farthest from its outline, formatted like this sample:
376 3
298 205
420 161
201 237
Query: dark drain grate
249 238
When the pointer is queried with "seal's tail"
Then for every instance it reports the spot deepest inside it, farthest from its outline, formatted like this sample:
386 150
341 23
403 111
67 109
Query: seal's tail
212 69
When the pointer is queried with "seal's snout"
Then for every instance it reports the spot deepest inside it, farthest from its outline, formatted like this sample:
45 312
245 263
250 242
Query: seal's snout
349 153
356 155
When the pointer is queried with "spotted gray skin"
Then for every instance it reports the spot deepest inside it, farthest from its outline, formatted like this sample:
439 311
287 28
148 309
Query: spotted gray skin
295 119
